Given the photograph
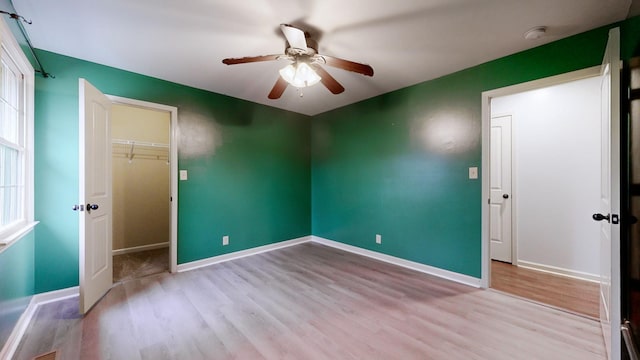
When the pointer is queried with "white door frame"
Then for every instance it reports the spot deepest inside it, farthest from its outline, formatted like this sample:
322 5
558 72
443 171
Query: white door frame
486 132
173 164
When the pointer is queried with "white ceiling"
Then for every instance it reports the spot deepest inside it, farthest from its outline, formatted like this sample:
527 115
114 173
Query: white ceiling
405 41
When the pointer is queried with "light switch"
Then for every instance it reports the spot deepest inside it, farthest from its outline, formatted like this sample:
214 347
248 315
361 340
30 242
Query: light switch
183 175
473 172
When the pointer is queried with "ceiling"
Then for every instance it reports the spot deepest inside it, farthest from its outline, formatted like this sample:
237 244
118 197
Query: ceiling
405 41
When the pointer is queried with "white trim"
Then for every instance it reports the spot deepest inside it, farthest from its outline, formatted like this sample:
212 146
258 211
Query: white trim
485 226
173 163
135 249
240 254
486 127
18 331
10 347
15 53
544 82
441 273
574 274
56 295
13 238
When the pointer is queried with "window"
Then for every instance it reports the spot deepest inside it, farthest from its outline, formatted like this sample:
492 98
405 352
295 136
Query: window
16 139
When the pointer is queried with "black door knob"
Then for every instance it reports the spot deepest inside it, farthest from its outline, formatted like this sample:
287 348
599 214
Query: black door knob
92 206
600 217
505 196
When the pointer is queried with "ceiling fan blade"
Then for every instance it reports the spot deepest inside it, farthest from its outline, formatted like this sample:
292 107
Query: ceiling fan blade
328 81
278 88
250 59
295 37
348 65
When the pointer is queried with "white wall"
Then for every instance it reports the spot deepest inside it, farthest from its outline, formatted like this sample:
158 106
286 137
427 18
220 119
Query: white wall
556 174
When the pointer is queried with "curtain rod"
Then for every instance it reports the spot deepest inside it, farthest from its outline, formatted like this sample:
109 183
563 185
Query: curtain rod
18 19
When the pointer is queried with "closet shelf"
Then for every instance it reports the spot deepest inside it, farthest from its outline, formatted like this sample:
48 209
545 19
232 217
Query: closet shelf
140 149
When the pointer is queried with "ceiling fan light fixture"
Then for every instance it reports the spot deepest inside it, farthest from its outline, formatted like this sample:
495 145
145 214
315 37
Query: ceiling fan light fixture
300 75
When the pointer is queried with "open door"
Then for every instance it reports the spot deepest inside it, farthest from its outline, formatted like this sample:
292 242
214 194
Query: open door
96 262
500 233
609 211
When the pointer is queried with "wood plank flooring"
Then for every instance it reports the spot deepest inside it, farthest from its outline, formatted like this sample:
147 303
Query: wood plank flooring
307 302
578 296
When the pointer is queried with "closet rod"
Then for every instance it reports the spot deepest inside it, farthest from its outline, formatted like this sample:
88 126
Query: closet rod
139 143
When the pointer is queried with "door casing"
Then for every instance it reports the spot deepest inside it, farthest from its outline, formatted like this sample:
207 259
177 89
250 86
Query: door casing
486 129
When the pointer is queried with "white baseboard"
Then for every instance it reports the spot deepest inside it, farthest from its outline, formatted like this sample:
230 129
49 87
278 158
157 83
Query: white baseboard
51 296
574 274
140 248
240 254
445 274
10 347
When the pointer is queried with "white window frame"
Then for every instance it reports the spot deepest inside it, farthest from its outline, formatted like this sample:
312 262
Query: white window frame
9 44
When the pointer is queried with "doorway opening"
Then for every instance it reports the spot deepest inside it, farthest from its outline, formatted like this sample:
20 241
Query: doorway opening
141 136
543 163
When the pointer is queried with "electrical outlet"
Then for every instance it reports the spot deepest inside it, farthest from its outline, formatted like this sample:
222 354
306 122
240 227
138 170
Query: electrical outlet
378 239
225 240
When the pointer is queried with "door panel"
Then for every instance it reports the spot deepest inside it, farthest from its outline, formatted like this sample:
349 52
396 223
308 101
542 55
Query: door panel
500 189
610 317
96 261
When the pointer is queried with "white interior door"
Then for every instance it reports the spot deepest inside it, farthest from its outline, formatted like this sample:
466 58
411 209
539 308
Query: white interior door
500 189
96 263
610 316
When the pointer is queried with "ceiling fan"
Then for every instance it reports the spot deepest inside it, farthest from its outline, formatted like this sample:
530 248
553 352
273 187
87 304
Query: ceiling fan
305 69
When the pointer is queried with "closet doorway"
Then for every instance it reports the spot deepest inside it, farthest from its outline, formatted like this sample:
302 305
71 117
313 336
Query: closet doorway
141 175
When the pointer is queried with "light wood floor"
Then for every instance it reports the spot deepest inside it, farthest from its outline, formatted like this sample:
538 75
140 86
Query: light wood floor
308 302
578 296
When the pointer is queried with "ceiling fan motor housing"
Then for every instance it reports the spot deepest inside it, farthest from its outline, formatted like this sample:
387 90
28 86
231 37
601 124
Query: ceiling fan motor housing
302 51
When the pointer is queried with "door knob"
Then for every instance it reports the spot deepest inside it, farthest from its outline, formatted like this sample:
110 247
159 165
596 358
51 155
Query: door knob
92 206
600 217
505 196
78 207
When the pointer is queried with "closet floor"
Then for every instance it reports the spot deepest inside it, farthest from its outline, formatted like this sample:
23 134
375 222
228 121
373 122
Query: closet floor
138 264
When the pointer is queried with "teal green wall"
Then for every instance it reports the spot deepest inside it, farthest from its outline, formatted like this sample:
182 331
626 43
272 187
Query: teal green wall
255 186
16 286
375 169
